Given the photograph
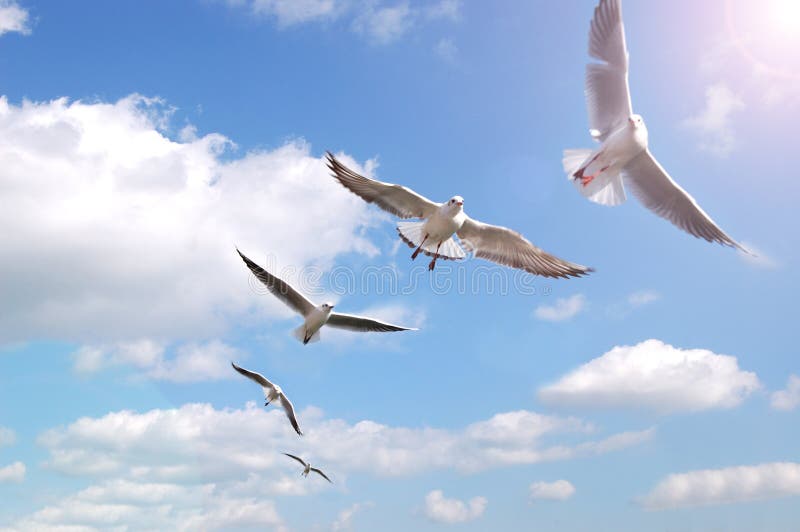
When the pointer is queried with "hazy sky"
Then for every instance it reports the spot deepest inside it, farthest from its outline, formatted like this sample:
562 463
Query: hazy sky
141 141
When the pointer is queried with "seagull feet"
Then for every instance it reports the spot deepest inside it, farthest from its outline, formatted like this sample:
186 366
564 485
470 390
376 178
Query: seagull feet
419 248
586 179
432 264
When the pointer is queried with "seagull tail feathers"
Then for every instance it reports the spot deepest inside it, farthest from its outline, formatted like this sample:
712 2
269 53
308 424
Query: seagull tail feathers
300 334
412 234
605 189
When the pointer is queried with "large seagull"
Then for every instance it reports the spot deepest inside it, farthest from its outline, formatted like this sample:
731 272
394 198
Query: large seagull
433 235
623 155
315 316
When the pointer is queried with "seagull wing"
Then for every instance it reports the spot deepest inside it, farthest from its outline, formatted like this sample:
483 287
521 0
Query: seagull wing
289 409
362 324
509 248
315 470
296 458
659 193
396 199
253 376
608 97
283 290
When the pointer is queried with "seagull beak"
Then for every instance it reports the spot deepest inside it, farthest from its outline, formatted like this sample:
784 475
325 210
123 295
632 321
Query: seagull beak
631 122
460 203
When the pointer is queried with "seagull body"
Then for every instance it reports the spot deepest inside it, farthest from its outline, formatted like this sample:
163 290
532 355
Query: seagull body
441 221
623 157
271 393
307 468
315 316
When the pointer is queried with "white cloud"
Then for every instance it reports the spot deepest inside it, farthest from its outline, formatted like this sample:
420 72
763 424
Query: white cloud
380 22
7 436
384 24
126 505
134 232
787 399
12 473
194 441
560 490
292 12
712 124
446 50
440 509
643 297
563 309
724 486
191 362
344 521
657 376
13 18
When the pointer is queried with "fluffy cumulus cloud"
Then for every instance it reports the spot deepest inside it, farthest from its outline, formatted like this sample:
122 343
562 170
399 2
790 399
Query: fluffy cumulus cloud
563 309
724 486
559 490
190 363
130 505
13 473
440 509
194 441
656 376
344 521
134 231
379 21
787 399
713 124
13 18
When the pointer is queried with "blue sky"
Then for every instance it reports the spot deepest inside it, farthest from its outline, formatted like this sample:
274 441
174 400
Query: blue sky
141 141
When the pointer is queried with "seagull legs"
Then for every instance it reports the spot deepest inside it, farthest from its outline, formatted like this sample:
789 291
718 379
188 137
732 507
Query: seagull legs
414 255
432 265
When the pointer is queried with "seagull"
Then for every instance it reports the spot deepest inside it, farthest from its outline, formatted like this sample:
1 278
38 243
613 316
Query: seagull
307 468
272 392
623 155
316 315
433 235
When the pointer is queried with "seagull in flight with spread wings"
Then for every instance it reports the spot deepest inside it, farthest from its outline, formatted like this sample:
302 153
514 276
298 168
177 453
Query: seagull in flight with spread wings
623 155
440 221
272 392
307 468
315 316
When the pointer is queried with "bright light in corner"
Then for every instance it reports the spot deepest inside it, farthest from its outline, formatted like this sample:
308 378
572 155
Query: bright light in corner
784 16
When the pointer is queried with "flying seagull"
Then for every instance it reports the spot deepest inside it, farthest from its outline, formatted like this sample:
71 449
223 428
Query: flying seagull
272 392
440 221
315 315
623 155
307 467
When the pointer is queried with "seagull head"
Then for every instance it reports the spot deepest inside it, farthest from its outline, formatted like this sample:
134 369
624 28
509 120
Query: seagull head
636 121
327 307
456 203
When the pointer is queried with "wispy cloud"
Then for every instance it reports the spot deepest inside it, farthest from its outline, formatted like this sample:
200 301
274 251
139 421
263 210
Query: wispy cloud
13 18
344 521
656 376
559 490
713 125
13 473
446 50
563 309
724 486
440 509
787 399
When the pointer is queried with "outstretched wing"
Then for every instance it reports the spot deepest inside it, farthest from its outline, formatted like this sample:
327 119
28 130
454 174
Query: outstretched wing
608 98
289 409
362 324
659 193
323 475
509 248
253 376
281 289
296 458
396 199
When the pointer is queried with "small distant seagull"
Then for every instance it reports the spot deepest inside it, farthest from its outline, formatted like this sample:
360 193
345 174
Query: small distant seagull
316 315
307 467
272 392
434 235
623 155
